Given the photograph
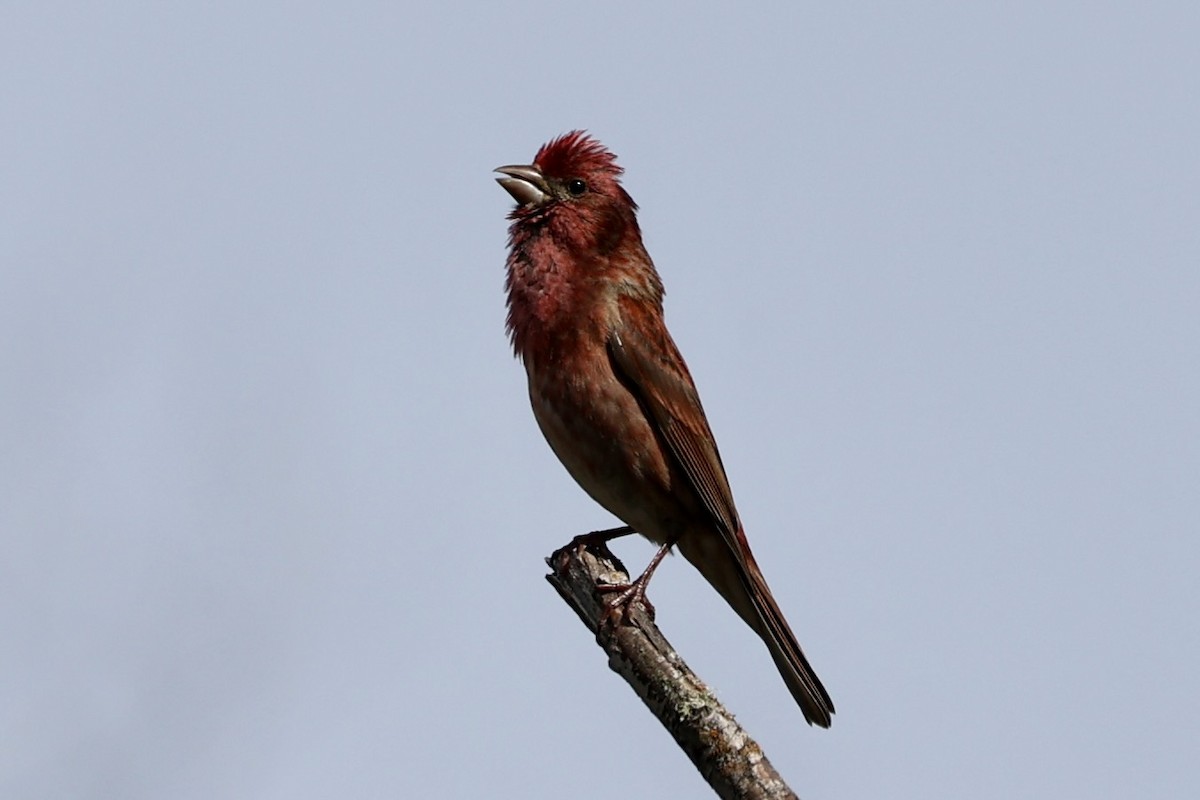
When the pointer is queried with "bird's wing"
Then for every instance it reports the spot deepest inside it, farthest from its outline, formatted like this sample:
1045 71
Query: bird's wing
647 361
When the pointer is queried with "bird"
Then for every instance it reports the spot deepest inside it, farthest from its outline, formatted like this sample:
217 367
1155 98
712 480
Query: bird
611 393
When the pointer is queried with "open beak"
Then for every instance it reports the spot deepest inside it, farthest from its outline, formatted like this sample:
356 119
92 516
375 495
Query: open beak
525 184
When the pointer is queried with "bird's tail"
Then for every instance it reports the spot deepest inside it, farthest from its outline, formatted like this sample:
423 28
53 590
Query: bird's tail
741 583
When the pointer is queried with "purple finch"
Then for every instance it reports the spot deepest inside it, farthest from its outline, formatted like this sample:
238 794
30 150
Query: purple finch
611 393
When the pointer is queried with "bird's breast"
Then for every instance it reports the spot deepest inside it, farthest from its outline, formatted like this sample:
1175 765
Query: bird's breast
599 432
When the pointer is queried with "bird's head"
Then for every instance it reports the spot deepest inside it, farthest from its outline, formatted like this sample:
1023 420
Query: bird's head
574 243
574 184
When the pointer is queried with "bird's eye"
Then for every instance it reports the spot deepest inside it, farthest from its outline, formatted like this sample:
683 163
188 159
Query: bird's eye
576 187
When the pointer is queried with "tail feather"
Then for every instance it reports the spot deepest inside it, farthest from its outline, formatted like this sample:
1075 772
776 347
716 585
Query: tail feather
789 659
741 583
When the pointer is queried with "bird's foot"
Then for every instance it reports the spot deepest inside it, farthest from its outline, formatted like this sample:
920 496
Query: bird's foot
627 597
586 540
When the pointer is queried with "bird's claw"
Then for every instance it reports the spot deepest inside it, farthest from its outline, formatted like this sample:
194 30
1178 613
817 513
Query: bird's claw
628 595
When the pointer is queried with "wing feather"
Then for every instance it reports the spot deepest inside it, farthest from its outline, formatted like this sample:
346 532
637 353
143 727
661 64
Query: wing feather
656 374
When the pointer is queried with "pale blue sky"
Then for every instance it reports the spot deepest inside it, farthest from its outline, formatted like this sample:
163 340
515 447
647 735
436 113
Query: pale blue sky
272 502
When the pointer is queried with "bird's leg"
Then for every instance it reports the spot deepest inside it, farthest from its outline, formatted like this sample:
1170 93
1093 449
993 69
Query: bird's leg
583 540
635 591
629 593
596 543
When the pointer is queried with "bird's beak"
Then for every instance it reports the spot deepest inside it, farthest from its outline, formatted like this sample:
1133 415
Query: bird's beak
525 183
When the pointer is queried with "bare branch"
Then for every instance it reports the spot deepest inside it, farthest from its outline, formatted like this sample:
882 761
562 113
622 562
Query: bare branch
731 762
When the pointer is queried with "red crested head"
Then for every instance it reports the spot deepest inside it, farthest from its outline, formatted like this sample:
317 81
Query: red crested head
574 242
576 153
572 173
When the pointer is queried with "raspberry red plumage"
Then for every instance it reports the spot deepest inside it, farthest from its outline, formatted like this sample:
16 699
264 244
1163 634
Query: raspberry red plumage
574 153
610 390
